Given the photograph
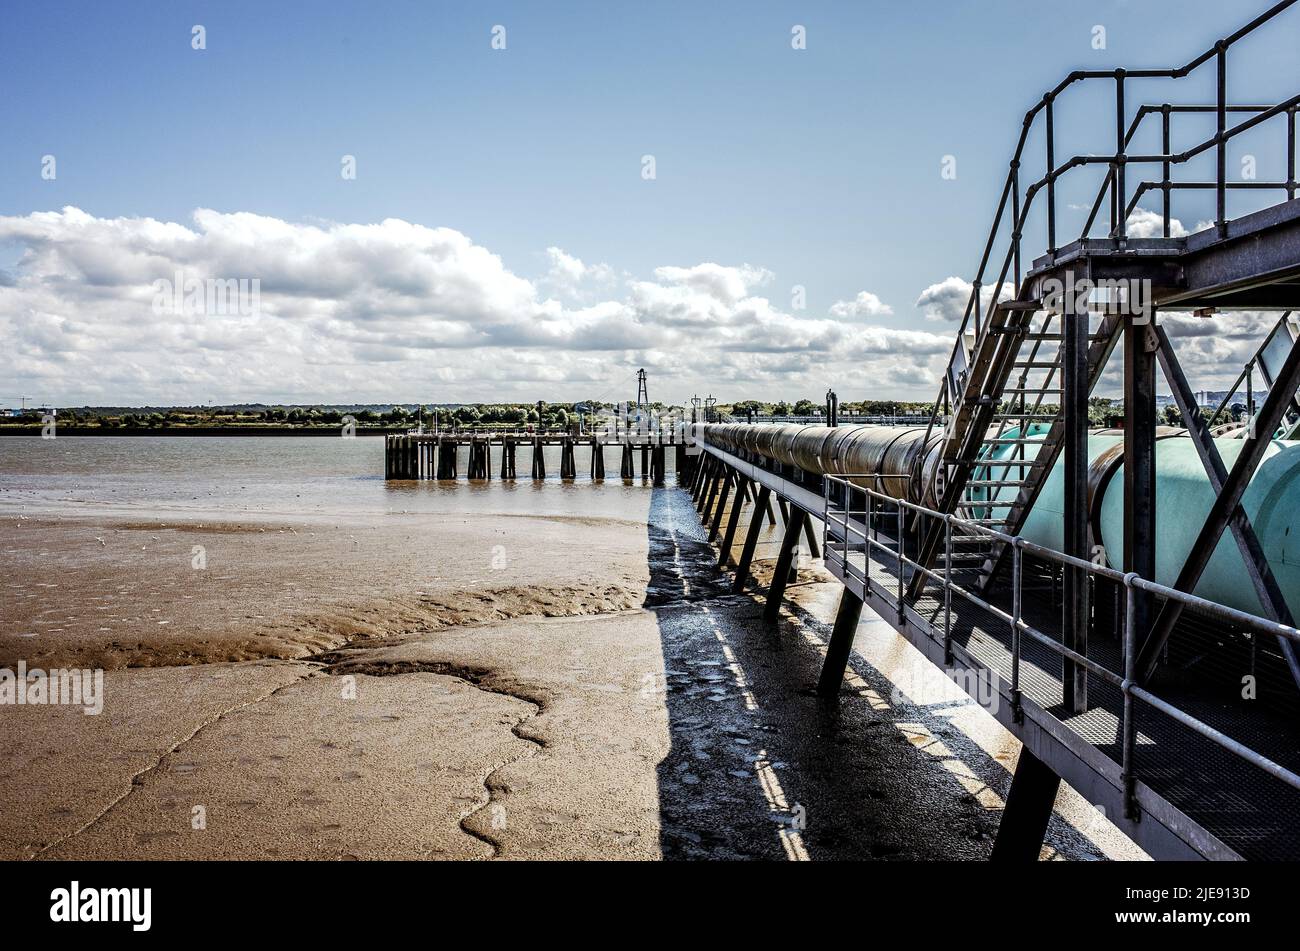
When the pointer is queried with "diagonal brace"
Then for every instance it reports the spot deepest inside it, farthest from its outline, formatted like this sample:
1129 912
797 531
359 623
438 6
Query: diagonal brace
1252 552
1225 505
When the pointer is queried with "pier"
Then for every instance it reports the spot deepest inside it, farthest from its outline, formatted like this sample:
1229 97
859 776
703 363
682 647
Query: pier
421 456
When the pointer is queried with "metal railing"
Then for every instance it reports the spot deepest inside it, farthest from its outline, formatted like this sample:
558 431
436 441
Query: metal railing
848 529
1115 182
878 419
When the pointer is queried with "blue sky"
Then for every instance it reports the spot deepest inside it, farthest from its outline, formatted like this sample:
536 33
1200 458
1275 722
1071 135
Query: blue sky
817 167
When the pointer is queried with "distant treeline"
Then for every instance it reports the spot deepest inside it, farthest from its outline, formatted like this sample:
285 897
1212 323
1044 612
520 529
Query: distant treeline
504 415
1102 411
741 408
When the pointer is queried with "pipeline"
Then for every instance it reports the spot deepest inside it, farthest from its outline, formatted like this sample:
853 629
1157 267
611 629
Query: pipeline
897 462
901 463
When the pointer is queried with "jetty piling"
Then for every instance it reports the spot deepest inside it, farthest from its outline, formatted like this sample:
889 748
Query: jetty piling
419 456
568 467
539 460
508 458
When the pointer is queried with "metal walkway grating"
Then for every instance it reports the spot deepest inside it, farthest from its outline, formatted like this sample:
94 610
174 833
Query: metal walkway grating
1251 812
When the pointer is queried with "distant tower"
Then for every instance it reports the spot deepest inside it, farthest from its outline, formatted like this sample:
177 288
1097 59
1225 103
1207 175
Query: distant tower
710 401
642 397
695 408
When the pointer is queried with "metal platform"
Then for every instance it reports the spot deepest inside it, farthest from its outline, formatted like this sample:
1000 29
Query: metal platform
1185 769
1191 796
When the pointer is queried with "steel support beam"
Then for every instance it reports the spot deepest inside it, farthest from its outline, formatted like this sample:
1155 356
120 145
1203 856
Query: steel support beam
1074 407
784 562
728 477
1140 464
703 467
763 502
841 644
733 520
715 477
1028 810
810 534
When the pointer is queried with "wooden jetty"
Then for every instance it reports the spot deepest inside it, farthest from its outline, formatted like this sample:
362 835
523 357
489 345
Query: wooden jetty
435 456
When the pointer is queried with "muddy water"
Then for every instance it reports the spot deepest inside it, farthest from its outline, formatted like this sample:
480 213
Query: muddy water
251 476
135 551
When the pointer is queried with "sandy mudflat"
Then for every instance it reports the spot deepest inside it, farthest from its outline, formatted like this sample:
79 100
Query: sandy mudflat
112 592
470 686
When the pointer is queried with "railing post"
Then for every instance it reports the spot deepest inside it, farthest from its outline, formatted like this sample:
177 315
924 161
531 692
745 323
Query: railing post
1051 180
1121 196
898 533
1017 713
1015 225
848 520
1290 154
1165 166
1222 181
947 590
1127 726
866 584
1074 405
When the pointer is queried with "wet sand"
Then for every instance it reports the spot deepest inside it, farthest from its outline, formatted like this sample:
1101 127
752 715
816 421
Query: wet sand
470 685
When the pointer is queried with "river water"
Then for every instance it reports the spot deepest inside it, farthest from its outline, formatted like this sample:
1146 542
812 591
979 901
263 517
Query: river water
277 477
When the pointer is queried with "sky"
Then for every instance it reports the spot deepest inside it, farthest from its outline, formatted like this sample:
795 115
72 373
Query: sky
467 201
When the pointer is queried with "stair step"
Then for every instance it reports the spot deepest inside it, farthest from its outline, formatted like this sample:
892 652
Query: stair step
995 463
994 483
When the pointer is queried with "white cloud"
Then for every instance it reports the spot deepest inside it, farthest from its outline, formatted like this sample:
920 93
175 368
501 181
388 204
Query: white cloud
571 277
397 310
866 304
724 284
1144 223
946 301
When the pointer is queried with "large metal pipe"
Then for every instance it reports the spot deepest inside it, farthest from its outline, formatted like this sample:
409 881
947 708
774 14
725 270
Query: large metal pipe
900 463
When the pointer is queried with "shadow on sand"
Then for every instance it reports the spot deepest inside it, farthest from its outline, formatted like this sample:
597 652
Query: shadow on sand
760 767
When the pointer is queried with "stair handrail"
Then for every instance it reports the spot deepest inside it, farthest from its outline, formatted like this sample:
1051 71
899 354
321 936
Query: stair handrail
1116 176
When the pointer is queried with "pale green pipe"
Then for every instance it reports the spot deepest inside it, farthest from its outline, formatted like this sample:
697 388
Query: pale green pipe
1183 501
1183 495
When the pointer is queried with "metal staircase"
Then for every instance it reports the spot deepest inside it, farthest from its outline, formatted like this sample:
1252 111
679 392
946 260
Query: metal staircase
1004 382
1007 426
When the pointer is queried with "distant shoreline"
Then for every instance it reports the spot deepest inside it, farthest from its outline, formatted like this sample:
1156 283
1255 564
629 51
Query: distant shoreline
335 431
